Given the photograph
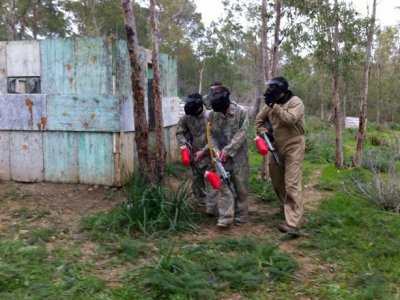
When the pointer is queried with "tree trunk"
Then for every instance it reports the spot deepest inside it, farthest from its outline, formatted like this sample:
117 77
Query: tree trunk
158 117
336 95
264 40
139 112
201 76
264 172
11 32
276 38
364 93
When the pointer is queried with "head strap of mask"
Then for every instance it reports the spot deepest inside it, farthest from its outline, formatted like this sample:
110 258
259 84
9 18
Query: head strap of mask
281 84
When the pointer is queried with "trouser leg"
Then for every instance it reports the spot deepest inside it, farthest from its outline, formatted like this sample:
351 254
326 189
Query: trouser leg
293 203
199 188
226 205
240 182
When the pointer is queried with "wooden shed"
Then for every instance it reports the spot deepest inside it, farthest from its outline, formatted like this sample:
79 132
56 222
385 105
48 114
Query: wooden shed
66 110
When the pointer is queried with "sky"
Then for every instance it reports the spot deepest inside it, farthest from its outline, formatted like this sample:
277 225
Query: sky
386 12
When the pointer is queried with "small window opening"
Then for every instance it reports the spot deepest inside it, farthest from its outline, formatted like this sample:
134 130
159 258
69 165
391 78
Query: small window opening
23 85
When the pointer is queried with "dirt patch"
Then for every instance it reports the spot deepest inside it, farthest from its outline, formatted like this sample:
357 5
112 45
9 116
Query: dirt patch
61 208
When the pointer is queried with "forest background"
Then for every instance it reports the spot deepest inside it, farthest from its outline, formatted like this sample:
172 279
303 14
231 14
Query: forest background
230 49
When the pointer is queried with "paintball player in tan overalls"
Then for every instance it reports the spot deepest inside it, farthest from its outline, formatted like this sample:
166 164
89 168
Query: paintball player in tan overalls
285 112
229 124
191 132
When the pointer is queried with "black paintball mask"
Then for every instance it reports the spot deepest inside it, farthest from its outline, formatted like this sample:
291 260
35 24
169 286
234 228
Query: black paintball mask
193 105
276 86
219 99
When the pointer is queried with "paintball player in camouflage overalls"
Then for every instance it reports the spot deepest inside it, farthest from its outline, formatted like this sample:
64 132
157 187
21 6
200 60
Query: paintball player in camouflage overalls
207 101
285 112
192 128
229 124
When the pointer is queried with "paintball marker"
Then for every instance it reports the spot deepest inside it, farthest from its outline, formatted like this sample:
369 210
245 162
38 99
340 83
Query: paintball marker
195 169
271 148
225 175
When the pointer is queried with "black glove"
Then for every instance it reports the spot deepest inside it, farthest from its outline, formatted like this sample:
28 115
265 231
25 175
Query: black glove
269 98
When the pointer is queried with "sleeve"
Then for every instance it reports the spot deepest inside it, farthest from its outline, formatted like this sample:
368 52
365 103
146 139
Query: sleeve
290 115
181 131
240 136
261 117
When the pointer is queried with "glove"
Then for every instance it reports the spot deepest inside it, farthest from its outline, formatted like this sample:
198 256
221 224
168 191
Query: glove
199 155
269 98
223 156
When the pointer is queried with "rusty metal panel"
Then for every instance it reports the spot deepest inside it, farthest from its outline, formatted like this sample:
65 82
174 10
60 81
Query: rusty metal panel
93 66
61 156
123 68
58 66
3 68
123 72
127 118
5 171
171 109
23 59
83 113
129 160
169 79
96 158
171 144
23 112
26 151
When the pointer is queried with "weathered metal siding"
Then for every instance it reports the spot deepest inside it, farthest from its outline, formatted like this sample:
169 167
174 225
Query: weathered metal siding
96 158
169 87
61 156
58 66
81 128
3 68
26 156
23 59
23 112
83 113
93 66
5 167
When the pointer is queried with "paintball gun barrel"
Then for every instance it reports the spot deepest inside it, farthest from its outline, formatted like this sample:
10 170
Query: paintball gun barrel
194 167
271 148
225 175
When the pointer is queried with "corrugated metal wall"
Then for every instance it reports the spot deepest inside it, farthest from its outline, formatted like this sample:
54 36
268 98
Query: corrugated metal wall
80 128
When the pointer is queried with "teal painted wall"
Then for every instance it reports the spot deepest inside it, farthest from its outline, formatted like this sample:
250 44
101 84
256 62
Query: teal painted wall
81 128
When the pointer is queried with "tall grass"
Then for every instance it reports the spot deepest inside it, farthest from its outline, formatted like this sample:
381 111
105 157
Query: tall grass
150 209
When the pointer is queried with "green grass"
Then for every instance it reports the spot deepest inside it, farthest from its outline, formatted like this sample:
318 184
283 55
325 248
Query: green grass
31 272
362 241
205 270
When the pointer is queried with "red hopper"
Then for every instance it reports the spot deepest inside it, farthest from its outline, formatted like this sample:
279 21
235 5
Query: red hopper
261 145
213 178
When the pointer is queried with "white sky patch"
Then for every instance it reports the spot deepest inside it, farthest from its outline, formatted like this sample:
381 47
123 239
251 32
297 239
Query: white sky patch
387 14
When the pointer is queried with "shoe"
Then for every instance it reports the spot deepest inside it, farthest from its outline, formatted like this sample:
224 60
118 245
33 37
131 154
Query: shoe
222 225
210 212
238 222
293 231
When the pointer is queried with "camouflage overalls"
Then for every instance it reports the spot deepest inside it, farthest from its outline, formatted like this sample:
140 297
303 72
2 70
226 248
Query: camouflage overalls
193 129
229 133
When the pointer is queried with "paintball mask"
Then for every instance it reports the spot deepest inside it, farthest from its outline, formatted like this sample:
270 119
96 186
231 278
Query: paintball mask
219 99
193 105
276 86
